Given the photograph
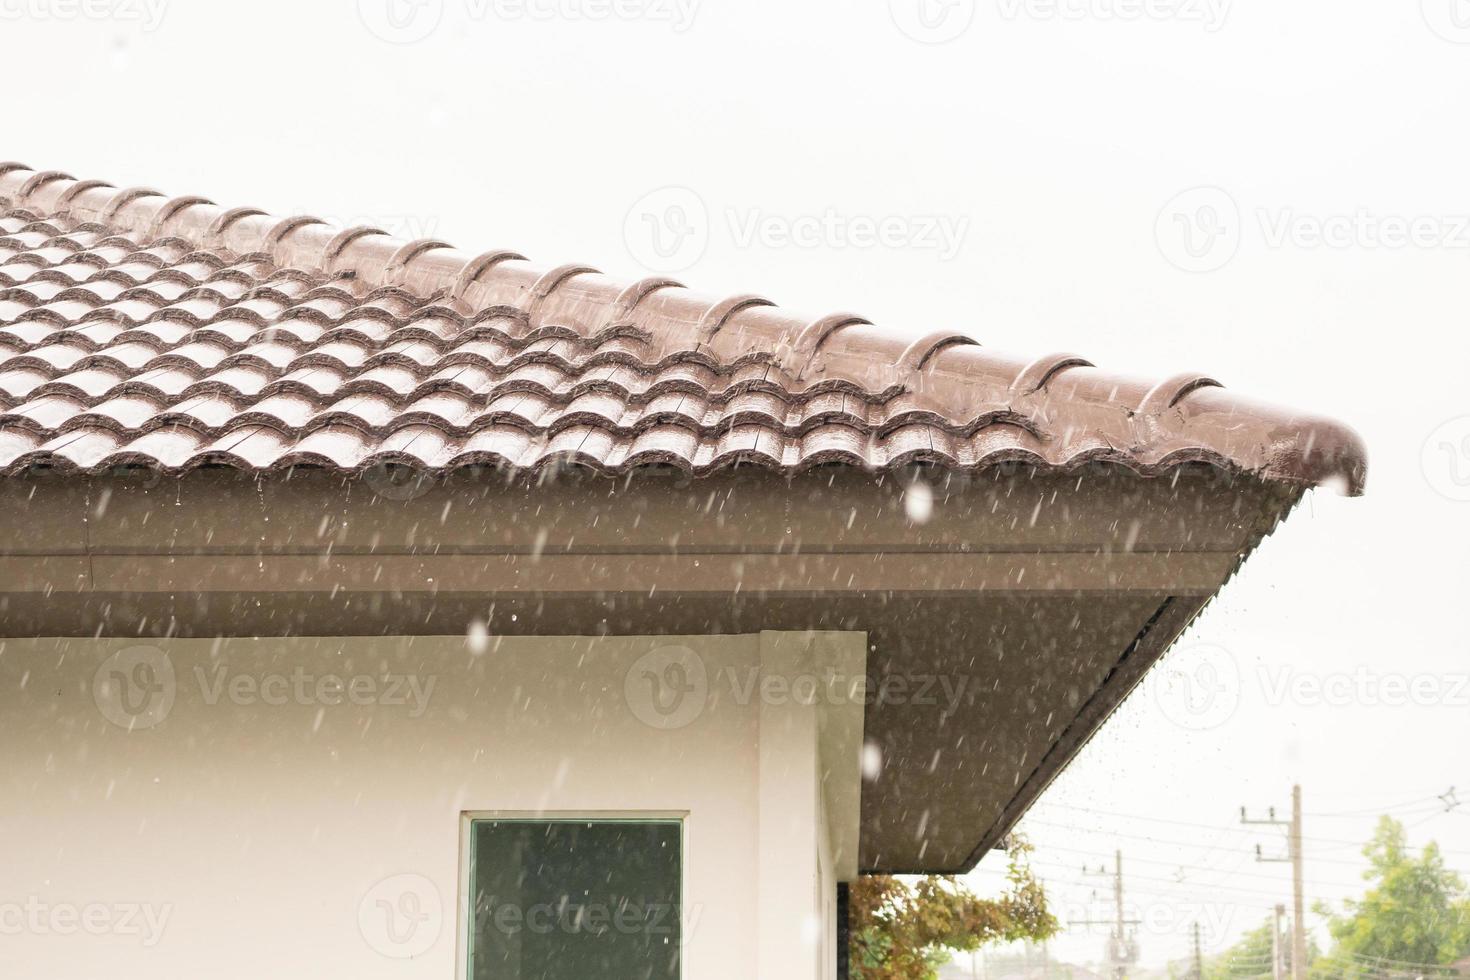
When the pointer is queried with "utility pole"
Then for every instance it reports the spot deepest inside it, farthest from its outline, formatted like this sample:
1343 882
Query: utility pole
1122 948
1276 941
1298 902
1199 960
1294 855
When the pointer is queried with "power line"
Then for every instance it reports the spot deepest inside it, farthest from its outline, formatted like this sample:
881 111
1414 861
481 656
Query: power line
1404 963
1275 893
1236 848
1325 973
1218 858
1029 821
1196 867
1371 811
1032 821
1252 903
1205 826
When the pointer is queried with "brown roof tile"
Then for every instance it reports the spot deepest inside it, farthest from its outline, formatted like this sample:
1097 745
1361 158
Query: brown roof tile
138 329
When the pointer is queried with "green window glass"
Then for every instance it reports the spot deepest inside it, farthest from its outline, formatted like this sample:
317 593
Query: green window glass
573 899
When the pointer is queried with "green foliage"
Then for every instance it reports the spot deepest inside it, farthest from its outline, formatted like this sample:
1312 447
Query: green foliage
903 931
1249 957
1416 911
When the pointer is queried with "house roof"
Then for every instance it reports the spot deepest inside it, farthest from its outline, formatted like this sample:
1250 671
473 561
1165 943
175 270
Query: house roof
168 332
141 329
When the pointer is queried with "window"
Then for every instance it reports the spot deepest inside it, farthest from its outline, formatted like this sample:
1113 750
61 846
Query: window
570 899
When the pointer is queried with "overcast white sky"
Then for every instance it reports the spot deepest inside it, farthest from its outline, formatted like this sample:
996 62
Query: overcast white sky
1031 162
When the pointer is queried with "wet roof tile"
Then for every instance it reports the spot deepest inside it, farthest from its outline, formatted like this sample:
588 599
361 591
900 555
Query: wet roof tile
174 334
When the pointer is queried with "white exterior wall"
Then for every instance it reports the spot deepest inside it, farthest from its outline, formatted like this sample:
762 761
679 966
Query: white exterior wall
243 838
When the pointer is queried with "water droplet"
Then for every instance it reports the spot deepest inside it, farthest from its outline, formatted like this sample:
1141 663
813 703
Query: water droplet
477 637
918 502
872 760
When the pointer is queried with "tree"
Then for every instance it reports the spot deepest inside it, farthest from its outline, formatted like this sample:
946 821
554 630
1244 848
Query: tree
1416 912
903 931
1249 957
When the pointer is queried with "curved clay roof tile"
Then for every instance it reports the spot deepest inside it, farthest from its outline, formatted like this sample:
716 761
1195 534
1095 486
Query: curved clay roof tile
886 398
